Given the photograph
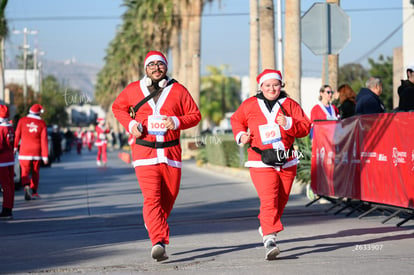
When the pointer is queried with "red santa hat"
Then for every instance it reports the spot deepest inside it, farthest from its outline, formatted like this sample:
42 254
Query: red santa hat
4 111
100 119
36 109
154 56
268 74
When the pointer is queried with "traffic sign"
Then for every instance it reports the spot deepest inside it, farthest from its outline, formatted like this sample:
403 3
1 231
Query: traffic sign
325 28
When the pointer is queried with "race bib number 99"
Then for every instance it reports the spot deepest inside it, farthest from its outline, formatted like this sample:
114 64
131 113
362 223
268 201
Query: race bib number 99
269 133
156 125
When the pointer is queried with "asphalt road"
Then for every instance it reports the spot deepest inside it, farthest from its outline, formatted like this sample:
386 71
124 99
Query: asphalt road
89 221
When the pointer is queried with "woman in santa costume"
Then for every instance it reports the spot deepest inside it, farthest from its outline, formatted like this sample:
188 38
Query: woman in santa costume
101 142
270 120
31 136
156 154
6 163
324 110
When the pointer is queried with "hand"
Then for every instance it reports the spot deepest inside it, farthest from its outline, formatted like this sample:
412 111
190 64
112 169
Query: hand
245 138
135 132
281 120
169 123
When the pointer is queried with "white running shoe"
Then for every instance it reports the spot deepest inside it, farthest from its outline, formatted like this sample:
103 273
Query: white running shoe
158 252
272 251
99 163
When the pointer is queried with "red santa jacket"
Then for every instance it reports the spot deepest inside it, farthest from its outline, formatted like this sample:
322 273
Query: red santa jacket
101 132
6 144
32 132
175 101
319 112
253 115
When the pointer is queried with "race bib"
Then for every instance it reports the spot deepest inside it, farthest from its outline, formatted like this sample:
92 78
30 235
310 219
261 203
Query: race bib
156 125
269 133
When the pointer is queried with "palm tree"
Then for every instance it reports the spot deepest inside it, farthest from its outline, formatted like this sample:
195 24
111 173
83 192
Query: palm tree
3 35
219 94
267 34
254 46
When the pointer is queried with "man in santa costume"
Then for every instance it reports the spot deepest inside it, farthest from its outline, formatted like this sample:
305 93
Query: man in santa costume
31 135
270 120
156 154
101 142
6 163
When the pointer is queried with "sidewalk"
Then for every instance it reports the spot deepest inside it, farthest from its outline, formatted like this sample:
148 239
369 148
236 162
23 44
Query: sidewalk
89 221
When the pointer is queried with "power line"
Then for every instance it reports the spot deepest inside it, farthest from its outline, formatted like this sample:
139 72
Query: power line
382 42
71 18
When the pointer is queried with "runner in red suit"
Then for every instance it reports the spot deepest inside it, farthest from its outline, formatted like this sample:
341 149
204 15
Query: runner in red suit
90 139
156 153
101 142
6 163
270 120
79 140
31 134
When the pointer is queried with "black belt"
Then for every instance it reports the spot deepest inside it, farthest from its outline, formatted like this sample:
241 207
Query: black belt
157 144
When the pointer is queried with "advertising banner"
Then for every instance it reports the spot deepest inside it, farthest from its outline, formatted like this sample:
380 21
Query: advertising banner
367 157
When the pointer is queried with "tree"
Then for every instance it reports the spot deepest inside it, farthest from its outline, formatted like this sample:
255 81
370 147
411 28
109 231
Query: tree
54 99
354 75
3 34
383 69
219 94
267 34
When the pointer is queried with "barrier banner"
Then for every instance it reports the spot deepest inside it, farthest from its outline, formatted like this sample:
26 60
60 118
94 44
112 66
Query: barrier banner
367 157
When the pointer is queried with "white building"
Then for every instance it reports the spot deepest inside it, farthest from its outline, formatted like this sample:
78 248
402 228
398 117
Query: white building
18 76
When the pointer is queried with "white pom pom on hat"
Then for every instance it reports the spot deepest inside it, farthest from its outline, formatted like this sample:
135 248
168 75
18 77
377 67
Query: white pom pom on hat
36 109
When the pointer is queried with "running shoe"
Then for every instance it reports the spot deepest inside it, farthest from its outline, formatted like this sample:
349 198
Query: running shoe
158 252
35 196
271 249
27 195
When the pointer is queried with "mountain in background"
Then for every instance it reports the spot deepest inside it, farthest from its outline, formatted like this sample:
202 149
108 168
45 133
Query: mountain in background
73 75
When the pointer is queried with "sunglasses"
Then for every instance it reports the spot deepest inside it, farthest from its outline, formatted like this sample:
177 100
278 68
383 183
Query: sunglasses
329 92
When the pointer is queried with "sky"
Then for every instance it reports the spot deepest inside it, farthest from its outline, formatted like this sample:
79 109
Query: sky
81 30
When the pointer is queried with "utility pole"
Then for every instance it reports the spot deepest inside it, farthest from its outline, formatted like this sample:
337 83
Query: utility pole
26 46
331 63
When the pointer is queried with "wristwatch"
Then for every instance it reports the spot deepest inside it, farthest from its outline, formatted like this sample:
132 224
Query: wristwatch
139 127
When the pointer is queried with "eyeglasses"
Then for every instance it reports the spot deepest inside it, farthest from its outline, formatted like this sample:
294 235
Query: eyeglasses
152 65
329 92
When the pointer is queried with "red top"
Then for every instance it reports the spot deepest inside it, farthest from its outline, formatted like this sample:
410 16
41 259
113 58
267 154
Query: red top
6 144
31 133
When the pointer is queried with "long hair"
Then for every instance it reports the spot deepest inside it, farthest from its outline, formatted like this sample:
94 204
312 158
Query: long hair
346 93
322 89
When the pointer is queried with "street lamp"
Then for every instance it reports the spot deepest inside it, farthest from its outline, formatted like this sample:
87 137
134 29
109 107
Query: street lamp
25 49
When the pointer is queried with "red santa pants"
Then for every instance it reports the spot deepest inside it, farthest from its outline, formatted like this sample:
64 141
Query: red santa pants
25 165
102 153
273 188
7 183
159 185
